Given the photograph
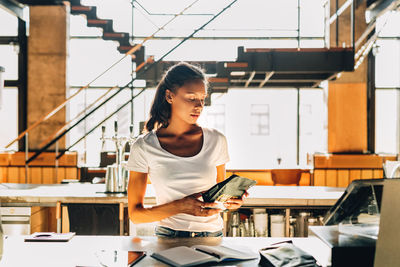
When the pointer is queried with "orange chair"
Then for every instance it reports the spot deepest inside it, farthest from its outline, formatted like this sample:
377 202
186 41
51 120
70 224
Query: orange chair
290 177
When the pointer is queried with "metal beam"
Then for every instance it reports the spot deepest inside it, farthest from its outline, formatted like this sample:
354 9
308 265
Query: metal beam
5 40
40 2
268 75
305 61
371 92
22 81
141 38
378 8
11 83
250 79
298 128
276 81
13 7
293 84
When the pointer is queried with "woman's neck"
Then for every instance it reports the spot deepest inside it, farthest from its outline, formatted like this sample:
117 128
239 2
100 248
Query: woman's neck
179 128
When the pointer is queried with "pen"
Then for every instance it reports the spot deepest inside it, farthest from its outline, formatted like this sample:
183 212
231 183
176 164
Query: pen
209 253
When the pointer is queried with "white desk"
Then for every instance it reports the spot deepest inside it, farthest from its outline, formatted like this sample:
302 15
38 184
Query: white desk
49 195
81 250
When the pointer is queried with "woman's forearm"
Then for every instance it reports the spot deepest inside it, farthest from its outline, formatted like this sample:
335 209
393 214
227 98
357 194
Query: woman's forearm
140 214
189 205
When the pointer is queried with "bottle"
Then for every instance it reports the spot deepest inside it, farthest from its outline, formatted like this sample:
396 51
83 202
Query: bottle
292 227
242 230
277 225
302 226
234 225
251 227
260 222
320 220
1 238
247 227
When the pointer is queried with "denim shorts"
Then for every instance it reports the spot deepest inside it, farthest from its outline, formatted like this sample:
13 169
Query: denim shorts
162 231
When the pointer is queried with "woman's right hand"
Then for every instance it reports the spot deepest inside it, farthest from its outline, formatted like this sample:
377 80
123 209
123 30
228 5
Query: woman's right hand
193 206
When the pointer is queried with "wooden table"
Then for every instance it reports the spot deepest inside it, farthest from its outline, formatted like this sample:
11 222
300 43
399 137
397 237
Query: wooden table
85 250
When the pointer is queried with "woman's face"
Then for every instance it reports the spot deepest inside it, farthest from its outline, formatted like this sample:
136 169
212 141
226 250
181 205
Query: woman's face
188 101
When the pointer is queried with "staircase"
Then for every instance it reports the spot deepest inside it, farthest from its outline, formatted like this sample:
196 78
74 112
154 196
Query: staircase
253 68
122 38
106 24
264 67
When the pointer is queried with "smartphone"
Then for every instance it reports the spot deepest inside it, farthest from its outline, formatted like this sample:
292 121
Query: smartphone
135 256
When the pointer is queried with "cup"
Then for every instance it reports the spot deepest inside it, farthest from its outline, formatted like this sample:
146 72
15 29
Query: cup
261 224
277 225
116 179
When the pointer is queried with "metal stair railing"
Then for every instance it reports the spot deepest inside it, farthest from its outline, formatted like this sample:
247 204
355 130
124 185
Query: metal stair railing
54 134
59 107
364 50
145 69
335 16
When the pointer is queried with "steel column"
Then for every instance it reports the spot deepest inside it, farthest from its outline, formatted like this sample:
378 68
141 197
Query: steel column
371 101
298 128
22 81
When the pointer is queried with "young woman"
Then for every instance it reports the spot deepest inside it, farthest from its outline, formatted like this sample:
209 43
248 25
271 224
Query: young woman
180 158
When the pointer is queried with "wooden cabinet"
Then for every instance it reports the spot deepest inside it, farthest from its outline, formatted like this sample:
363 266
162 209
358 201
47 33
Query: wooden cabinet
339 170
43 170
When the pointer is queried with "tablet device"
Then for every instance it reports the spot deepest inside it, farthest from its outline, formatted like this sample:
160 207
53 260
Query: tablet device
233 187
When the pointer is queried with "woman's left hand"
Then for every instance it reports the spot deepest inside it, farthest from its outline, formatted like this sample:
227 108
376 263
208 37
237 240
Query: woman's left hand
235 203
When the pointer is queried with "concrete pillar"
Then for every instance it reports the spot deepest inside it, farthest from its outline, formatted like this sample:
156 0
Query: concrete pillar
47 66
347 95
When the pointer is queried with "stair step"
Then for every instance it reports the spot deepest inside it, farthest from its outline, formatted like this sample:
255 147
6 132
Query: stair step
236 65
124 48
121 37
116 35
218 80
98 21
81 8
105 24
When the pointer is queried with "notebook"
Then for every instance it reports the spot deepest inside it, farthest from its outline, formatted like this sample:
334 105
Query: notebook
49 237
199 254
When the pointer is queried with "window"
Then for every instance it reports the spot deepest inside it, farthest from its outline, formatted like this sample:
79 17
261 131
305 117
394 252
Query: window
11 21
9 117
259 119
387 82
313 124
215 117
249 151
387 122
9 61
8 95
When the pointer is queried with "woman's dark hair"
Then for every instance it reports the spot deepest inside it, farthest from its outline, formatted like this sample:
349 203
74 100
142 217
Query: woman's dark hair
175 77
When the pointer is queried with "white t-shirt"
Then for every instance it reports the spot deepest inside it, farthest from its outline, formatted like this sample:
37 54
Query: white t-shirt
174 177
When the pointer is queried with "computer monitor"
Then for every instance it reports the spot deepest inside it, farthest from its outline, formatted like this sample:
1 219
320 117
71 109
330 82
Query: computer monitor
360 203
